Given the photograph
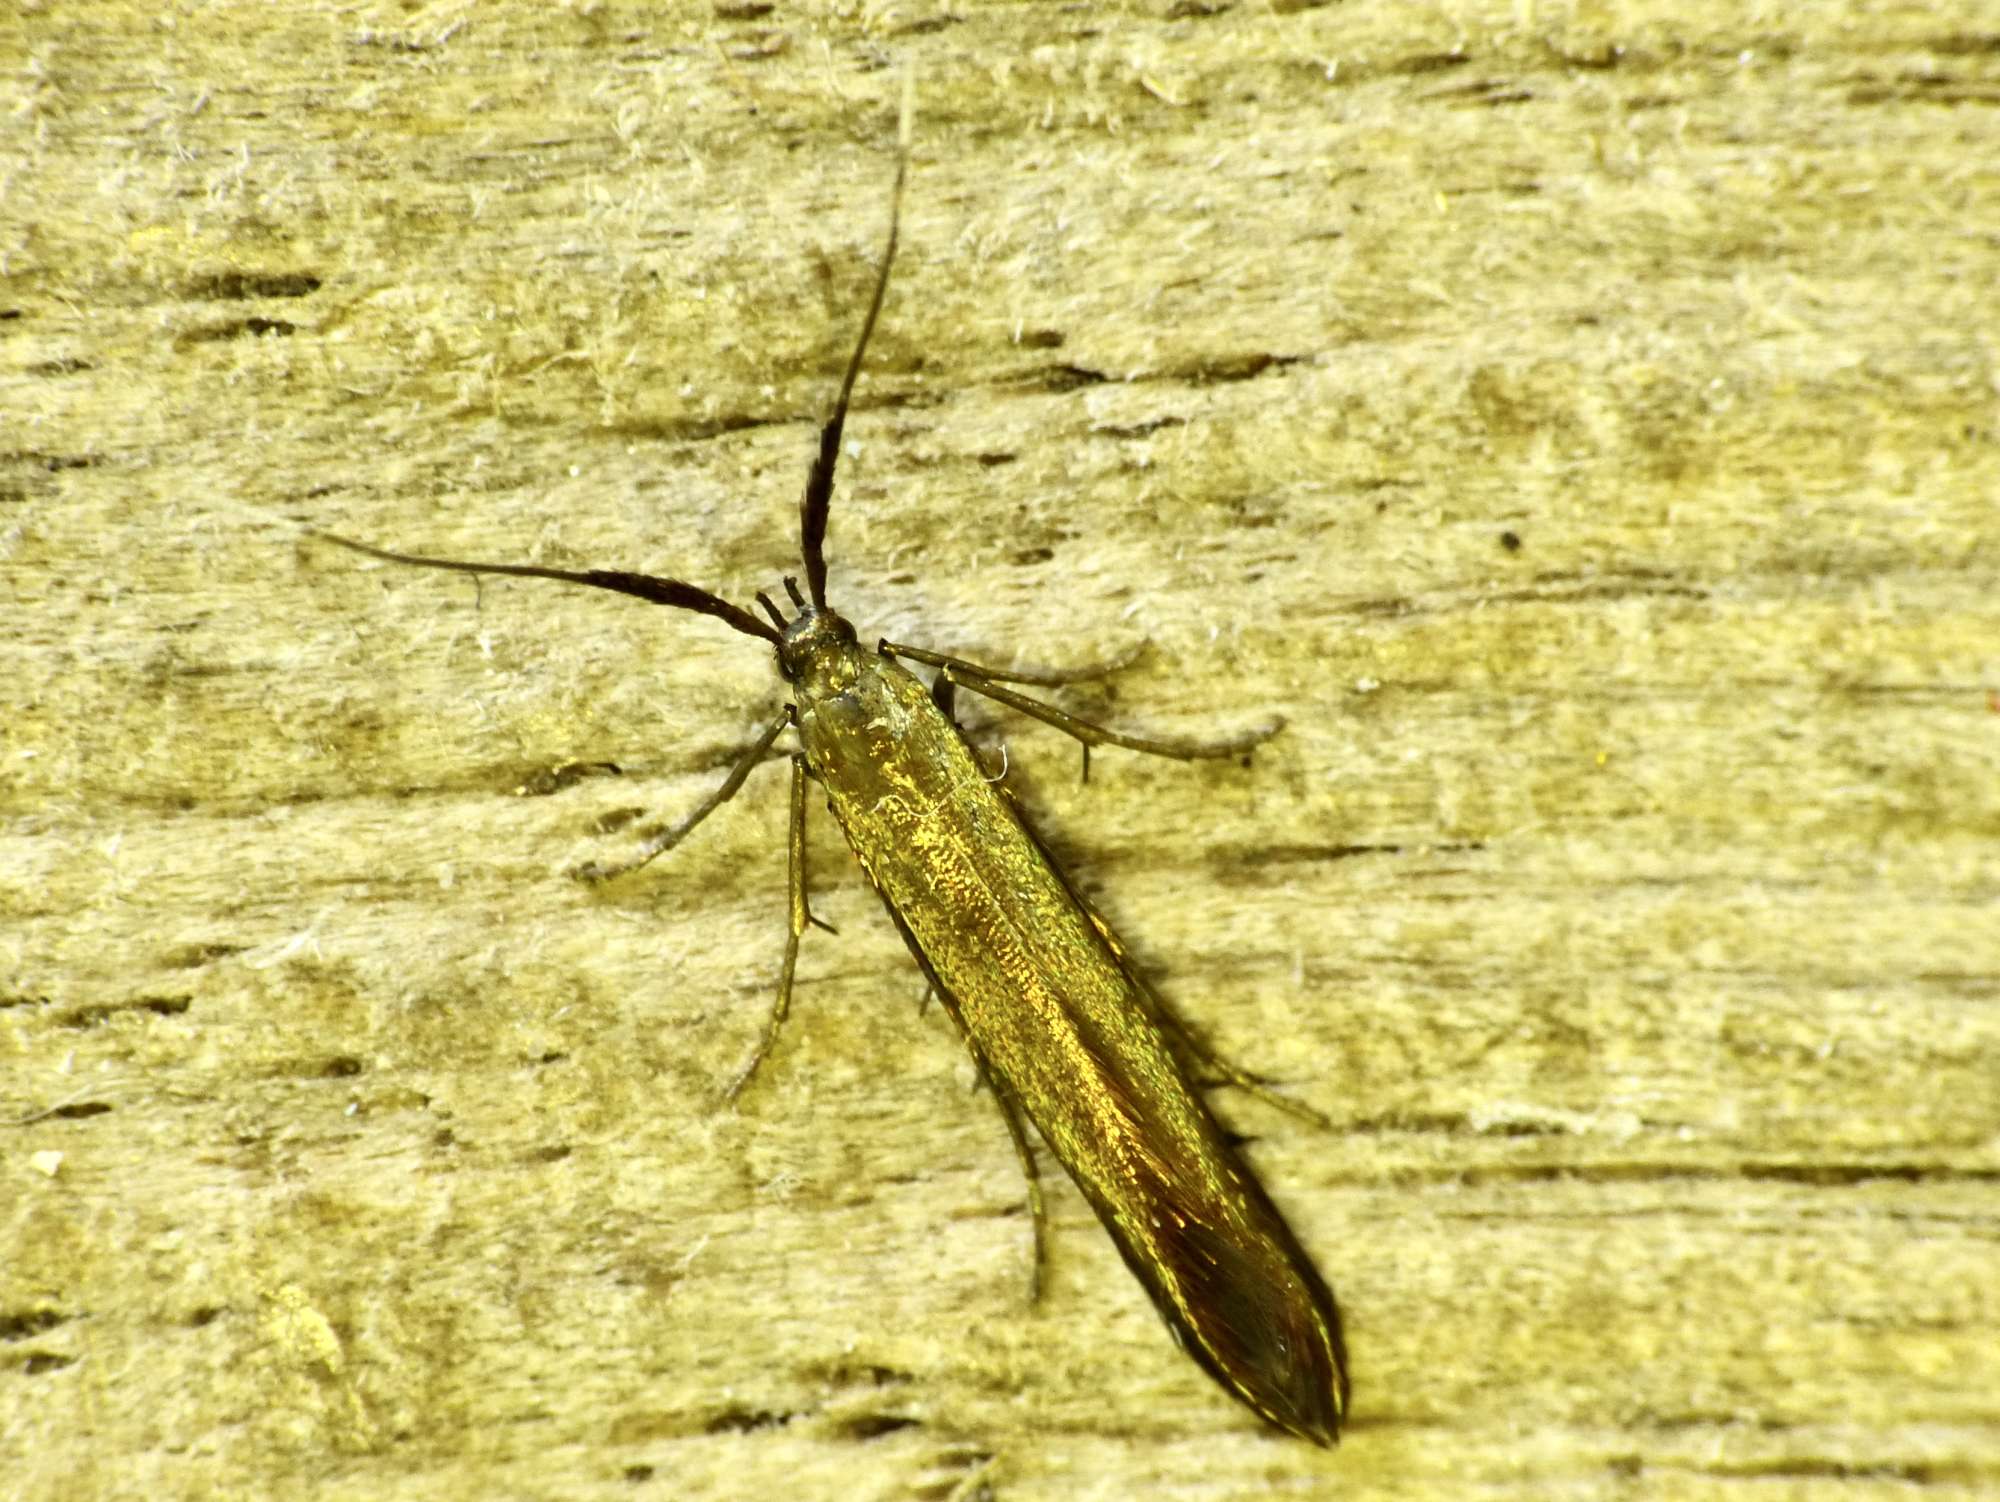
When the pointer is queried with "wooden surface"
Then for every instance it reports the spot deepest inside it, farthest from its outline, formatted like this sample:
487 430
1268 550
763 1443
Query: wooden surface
1582 422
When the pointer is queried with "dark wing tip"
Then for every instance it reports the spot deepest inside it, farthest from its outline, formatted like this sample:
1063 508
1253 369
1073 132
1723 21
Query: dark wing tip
1302 1392
1313 1414
1252 1310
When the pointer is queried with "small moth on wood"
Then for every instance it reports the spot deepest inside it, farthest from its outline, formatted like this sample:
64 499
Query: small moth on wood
1058 1021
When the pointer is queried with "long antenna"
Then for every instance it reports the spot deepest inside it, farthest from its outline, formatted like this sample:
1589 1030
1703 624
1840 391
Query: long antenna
644 586
819 480
812 505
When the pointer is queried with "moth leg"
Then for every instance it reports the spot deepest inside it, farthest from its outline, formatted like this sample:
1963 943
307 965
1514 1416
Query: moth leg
1095 735
799 918
1191 1045
1089 672
1230 1072
667 838
1010 1111
944 695
960 673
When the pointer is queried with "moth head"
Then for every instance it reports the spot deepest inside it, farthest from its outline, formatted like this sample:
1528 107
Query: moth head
813 642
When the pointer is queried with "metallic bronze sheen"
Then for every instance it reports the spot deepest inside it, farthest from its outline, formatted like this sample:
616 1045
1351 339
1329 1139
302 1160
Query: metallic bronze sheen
1047 1003
1065 1031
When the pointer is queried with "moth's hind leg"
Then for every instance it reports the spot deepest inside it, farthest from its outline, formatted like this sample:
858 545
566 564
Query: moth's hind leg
1221 1069
1226 1071
1010 1111
1191 1046
988 681
1089 672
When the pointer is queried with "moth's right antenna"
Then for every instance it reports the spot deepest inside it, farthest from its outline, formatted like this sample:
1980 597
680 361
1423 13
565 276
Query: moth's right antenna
819 481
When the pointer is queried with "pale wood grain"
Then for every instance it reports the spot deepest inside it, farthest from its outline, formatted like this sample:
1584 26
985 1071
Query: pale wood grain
1627 897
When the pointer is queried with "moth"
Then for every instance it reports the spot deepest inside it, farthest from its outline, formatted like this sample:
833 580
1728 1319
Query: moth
1058 1021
